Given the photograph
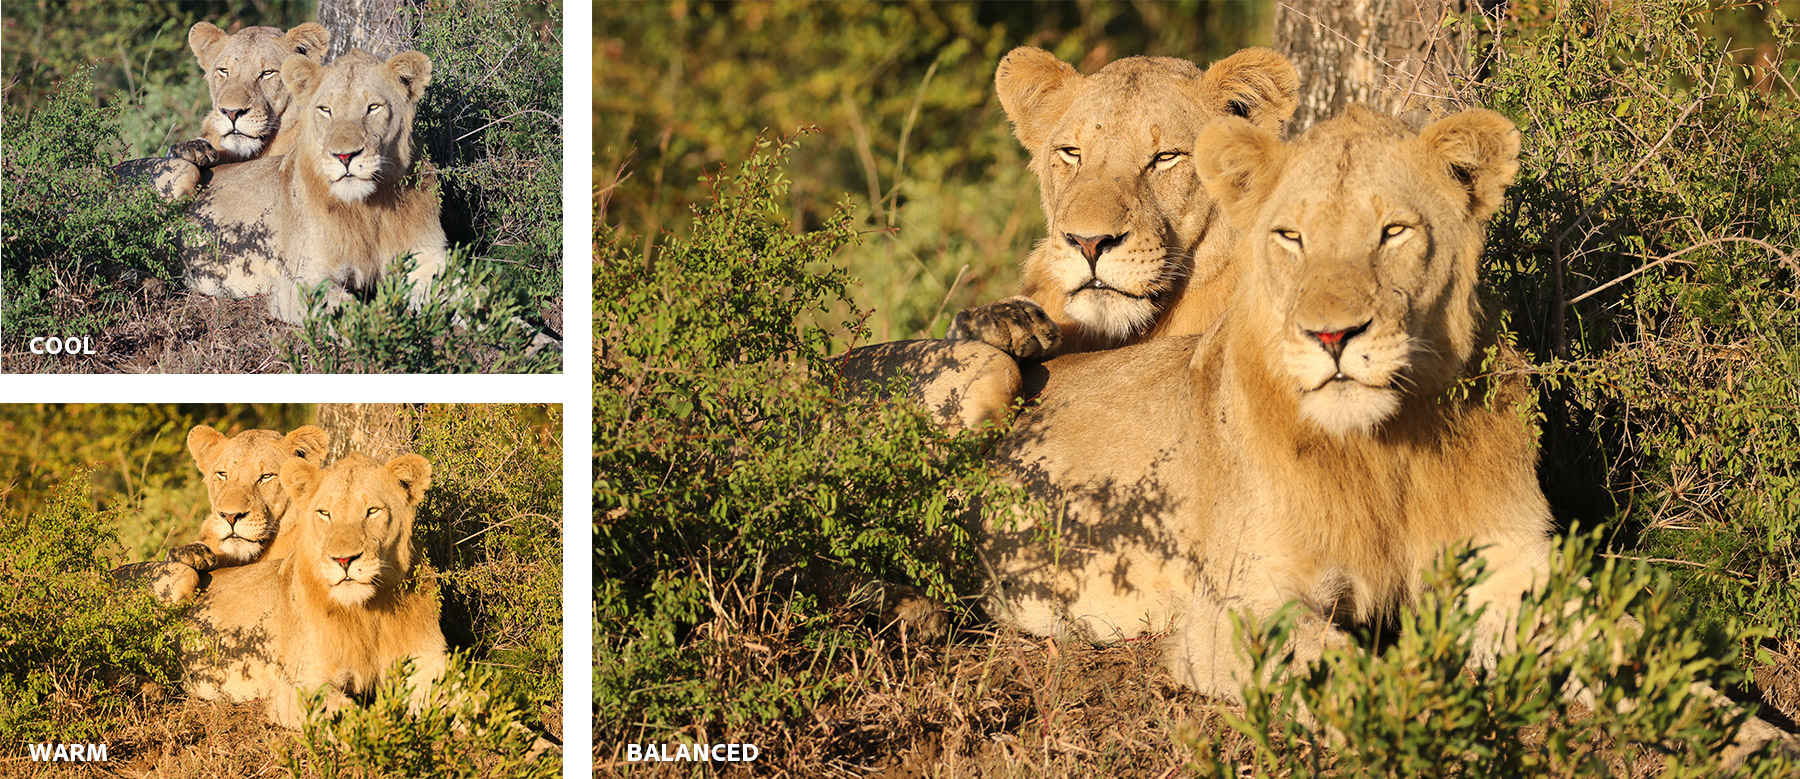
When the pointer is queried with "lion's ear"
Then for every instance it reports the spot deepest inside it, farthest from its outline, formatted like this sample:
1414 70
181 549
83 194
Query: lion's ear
1239 164
414 71
308 443
1481 149
299 477
414 474
1035 89
1256 84
309 40
299 73
200 443
204 38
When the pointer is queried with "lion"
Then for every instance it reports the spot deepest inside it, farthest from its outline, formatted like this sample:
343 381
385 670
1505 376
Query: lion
339 611
1306 448
247 503
1133 242
340 207
252 112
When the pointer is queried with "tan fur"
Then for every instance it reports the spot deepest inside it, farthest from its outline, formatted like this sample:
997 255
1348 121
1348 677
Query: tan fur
339 611
274 224
245 493
1095 143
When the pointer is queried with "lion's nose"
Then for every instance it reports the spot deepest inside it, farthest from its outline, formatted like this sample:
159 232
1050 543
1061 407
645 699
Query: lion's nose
346 157
1334 341
1092 246
231 517
233 113
346 561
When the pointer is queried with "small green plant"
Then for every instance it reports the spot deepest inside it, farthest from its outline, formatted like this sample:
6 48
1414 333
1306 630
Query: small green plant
735 493
472 724
74 645
77 244
1415 708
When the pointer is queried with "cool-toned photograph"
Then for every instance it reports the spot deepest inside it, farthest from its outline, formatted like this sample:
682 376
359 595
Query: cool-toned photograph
294 590
1157 389
337 186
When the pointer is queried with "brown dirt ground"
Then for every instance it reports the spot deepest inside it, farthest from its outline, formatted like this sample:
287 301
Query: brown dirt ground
170 333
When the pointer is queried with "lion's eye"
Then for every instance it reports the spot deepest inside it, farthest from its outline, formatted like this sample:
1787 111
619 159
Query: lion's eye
1069 154
268 73
1291 236
373 510
373 107
1393 231
325 110
323 514
222 71
264 477
220 475
1166 160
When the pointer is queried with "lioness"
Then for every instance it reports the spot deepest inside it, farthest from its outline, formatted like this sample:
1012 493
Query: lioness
252 112
336 210
1130 230
338 611
1304 449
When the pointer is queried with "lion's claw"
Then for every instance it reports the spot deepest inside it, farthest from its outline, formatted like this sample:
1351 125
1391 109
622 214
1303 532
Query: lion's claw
1016 326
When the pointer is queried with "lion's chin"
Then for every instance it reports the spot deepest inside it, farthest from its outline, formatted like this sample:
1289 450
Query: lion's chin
352 593
1113 314
351 189
1347 408
242 145
239 550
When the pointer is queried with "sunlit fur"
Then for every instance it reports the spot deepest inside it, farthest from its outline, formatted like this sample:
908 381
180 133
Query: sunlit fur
243 74
278 627
243 477
1118 120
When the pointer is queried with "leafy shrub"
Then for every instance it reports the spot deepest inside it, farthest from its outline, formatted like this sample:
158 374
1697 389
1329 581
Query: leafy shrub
731 484
77 245
73 644
1410 709
472 724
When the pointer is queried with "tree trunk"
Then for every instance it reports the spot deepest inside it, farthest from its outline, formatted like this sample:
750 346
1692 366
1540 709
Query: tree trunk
1394 55
380 27
382 431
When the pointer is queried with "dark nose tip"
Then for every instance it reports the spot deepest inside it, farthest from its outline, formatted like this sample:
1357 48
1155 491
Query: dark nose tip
232 517
346 157
346 561
1334 341
1092 246
233 113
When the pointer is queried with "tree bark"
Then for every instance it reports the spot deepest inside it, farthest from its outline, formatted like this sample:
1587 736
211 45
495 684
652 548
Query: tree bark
382 431
1394 55
381 27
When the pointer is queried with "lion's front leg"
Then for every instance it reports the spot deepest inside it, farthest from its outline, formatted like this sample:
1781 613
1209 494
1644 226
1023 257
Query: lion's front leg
427 668
962 384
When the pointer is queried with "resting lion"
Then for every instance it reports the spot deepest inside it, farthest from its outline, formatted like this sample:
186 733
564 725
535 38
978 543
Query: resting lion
337 612
247 503
336 210
1131 233
252 112
1304 449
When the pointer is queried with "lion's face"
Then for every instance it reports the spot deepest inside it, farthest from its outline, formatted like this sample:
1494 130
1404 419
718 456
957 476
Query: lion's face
358 516
1364 239
244 488
356 118
243 72
1114 155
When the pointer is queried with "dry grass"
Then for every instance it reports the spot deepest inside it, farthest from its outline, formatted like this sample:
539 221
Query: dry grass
159 332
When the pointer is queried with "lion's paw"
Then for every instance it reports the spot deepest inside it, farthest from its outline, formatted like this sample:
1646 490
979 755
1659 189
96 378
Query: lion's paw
195 555
198 151
1017 326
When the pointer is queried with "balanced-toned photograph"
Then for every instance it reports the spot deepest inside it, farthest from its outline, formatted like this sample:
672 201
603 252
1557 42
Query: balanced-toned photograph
339 186
281 590
1183 388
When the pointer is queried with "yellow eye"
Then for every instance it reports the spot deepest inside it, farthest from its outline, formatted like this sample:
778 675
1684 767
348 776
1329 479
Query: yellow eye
1166 160
222 71
373 107
373 510
325 110
323 514
1290 236
1069 154
220 475
1393 231
264 477
268 73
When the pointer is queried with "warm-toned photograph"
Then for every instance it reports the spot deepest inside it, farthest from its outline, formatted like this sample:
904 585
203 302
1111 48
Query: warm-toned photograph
259 590
329 186
1183 388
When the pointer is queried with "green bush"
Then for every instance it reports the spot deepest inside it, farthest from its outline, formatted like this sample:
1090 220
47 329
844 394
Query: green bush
1411 708
77 246
74 646
731 484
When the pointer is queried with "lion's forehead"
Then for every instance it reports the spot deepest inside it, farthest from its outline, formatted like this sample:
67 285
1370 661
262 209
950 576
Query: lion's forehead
357 82
251 448
258 45
358 486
